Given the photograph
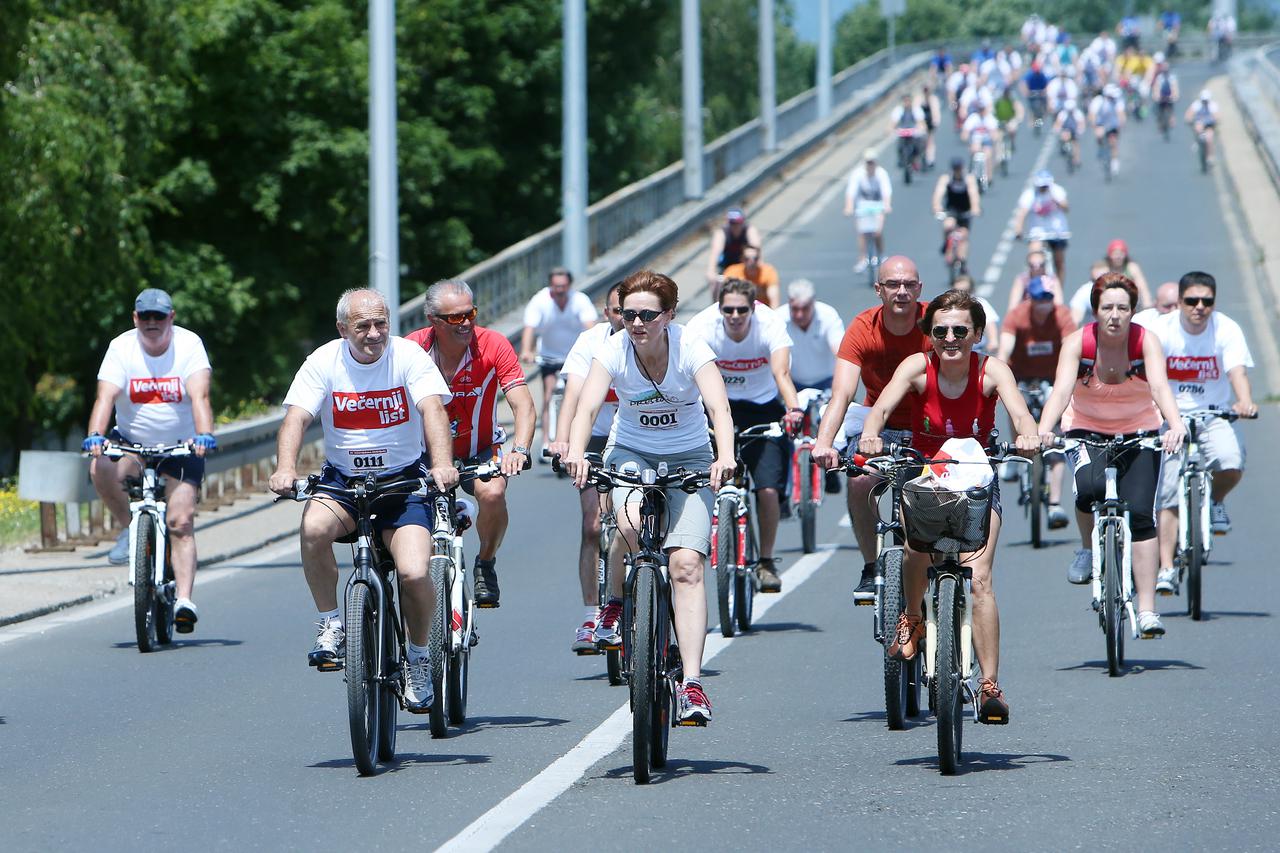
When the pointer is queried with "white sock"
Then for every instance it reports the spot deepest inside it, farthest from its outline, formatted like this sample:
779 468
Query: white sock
590 613
417 653
331 617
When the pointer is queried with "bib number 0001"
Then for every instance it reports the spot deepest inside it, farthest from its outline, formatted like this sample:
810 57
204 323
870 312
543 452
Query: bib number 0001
658 420
367 462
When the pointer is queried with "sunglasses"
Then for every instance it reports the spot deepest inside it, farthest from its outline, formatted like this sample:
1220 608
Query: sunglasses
644 315
730 310
1193 301
940 332
457 319
157 316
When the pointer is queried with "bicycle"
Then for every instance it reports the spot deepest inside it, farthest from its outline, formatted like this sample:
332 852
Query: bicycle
1164 118
648 664
376 631
557 398
956 249
978 168
1066 147
1033 484
1038 102
608 530
1104 156
908 153
1195 537
1202 150
869 219
806 475
150 559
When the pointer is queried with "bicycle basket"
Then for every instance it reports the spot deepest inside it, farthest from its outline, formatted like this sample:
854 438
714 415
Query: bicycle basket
938 519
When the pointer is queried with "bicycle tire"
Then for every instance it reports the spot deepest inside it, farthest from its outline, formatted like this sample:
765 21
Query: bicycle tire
459 674
808 509
1112 616
1204 155
165 603
1037 500
744 588
949 678
612 657
438 642
144 587
895 672
914 676
726 562
389 703
643 673
1195 548
363 688
663 713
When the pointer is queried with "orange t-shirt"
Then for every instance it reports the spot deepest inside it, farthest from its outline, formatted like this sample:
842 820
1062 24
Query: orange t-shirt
1037 345
765 277
868 344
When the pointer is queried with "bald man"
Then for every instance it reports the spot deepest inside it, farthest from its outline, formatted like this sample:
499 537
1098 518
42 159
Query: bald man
1166 302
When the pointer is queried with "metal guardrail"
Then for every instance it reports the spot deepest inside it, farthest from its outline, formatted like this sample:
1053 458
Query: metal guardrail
1255 78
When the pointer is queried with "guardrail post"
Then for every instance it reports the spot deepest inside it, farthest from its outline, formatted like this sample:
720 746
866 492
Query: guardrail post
95 518
73 520
48 525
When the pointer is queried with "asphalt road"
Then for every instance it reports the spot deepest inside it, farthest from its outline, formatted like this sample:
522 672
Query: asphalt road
228 741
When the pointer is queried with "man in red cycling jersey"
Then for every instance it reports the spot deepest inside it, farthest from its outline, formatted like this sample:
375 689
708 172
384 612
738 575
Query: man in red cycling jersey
477 362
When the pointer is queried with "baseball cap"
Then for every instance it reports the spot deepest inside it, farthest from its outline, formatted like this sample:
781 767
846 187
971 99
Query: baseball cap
1043 178
736 215
1205 94
1117 244
153 299
1036 289
869 155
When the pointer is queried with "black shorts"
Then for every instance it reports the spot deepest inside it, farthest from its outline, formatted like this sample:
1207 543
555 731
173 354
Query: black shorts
186 469
1055 245
391 512
552 368
962 217
1138 471
768 459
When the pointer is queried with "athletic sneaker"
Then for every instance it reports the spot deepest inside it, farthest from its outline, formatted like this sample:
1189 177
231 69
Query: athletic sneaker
607 634
185 616
1057 517
419 695
866 588
119 553
1081 568
861 265
993 708
1167 581
1218 521
330 649
584 642
486 583
695 707
766 576
1149 625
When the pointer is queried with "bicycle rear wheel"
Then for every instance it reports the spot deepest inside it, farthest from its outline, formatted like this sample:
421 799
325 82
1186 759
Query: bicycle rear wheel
808 510
1112 601
438 642
726 562
363 688
744 585
1037 500
144 586
165 601
389 703
895 672
1195 547
949 677
644 675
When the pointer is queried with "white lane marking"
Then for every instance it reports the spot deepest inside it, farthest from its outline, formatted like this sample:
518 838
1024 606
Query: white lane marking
488 830
991 277
72 615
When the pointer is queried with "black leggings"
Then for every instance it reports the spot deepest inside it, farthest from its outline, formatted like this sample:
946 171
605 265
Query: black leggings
1138 475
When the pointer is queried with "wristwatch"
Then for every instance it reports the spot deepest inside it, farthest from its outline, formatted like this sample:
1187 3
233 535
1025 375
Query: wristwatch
517 448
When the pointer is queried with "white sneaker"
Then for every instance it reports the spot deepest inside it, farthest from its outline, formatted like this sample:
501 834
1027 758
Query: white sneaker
1057 517
861 266
330 651
1081 568
1115 167
584 641
119 553
419 695
1167 581
1218 521
1149 625
185 616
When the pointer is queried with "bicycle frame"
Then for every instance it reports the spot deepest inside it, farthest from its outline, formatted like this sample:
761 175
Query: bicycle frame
951 565
150 503
1113 512
446 546
1193 468
369 557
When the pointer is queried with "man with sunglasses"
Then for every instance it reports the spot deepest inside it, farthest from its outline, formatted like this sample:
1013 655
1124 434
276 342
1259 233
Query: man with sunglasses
753 353
156 379
477 363
1207 359
556 315
874 345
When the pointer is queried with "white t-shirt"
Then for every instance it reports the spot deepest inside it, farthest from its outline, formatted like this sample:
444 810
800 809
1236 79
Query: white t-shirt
153 406
1081 302
1046 220
662 417
902 120
369 411
744 364
972 97
1060 90
578 363
558 329
863 187
813 349
987 345
1106 112
977 125
1198 364
1145 318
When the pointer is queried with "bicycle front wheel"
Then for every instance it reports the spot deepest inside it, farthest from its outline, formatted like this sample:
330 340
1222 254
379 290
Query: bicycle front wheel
895 672
949 677
808 510
439 644
644 674
1112 601
1037 500
726 562
460 669
363 687
144 585
744 585
1195 546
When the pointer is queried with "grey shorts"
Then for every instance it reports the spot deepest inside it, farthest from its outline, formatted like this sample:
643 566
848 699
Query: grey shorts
688 519
1221 449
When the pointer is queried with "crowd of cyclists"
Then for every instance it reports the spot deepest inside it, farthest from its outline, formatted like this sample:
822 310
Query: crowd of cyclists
636 388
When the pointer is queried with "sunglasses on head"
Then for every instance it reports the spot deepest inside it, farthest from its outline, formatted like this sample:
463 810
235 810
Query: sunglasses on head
1193 301
457 319
940 332
157 316
644 315
735 309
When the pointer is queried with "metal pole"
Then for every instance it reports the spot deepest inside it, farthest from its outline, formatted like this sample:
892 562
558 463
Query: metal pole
691 80
824 58
768 93
384 203
573 168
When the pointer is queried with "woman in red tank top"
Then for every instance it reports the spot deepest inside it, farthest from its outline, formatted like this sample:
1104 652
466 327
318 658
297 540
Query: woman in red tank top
954 392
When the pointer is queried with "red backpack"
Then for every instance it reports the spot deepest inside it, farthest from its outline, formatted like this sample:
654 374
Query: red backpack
1089 351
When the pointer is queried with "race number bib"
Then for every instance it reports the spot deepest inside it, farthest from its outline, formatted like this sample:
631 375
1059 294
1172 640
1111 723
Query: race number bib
1035 348
659 419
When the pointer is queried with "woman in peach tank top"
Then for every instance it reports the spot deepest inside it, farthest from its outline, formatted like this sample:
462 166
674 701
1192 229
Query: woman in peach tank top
1111 381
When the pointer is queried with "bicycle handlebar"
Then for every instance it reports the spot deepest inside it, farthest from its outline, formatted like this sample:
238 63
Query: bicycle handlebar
902 456
310 487
118 449
607 478
1213 412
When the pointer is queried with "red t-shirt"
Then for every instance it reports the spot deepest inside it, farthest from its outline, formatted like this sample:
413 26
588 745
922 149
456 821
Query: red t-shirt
1037 345
489 364
868 344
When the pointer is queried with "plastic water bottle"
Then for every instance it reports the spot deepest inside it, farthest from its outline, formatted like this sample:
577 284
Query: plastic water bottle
465 511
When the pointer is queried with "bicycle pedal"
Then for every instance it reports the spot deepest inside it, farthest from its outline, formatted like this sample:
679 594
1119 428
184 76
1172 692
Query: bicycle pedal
690 724
992 720
611 647
864 602
488 605
585 653
331 666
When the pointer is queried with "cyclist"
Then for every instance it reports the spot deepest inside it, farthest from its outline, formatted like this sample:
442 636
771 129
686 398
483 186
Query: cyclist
664 378
1130 31
1106 116
973 96
1202 116
868 196
1061 89
1111 381
556 315
1163 86
1067 124
1009 116
1207 359
156 379
1167 300
1222 30
957 200
1037 270
874 345
727 243
1132 70
1118 260
1035 84
763 275
932 110
477 363
939 65
953 394
598 624
1042 215
1029 343
379 399
982 132
815 329
907 123
753 353
1171 24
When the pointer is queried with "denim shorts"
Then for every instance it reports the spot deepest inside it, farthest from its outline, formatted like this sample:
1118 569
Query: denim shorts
391 512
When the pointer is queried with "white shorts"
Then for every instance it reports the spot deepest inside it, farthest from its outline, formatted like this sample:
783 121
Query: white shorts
1222 450
688 516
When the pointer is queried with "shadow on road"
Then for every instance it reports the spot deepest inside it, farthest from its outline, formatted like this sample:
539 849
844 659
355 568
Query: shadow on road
178 644
782 627
1209 616
680 767
1044 543
978 762
475 724
407 759
1134 666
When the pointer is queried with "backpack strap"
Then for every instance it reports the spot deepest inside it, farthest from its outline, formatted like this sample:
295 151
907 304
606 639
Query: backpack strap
1089 351
1137 367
